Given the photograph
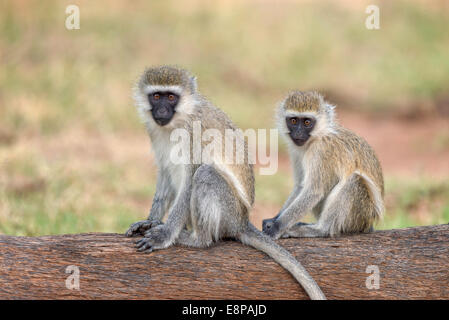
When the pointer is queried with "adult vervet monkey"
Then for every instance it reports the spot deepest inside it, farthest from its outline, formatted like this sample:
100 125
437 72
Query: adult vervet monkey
337 174
213 199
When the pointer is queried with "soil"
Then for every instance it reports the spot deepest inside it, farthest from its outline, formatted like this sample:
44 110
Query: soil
417 147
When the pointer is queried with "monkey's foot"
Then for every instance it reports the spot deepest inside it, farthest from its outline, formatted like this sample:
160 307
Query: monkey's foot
292 232
139 228
155 238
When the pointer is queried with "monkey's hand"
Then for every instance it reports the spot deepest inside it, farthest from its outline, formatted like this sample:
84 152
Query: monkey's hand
155 238
140 227
271 227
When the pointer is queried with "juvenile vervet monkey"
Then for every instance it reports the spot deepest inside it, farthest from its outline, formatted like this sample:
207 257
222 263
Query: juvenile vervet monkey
337 175
205 201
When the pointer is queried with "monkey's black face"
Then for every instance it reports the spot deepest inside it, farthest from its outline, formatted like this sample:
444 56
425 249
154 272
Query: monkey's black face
163 106
300 128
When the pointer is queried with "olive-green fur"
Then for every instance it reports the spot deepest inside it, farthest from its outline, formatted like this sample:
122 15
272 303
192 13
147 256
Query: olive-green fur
337 157
168 76
339 165
303 101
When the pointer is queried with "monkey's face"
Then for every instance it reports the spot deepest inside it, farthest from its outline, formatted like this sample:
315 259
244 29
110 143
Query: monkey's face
163 106
300 128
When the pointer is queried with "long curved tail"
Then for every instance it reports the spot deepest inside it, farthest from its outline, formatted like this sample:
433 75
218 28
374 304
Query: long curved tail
254 238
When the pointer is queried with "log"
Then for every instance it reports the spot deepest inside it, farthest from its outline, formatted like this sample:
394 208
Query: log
413 264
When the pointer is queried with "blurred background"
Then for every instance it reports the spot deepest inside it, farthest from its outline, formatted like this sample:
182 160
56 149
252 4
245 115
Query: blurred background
74 156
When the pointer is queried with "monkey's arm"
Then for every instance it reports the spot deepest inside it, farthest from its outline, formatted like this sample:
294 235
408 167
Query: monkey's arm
296 190
163 196
293 195
162 199
298 186
302 204
304 201
164 235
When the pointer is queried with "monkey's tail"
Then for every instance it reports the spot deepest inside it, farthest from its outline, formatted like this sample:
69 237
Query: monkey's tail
254 238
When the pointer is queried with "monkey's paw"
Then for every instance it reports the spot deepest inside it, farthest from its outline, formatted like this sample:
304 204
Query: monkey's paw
155 238
271 228
139 228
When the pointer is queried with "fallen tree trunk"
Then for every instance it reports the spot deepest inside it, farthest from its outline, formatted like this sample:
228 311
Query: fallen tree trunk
413 264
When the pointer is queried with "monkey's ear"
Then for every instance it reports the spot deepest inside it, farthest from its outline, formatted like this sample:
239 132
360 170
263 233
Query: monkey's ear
193 84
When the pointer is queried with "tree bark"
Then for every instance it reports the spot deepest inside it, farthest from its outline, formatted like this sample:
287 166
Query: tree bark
413 264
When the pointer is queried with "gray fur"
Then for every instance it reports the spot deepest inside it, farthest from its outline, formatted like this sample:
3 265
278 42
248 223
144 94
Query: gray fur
204 202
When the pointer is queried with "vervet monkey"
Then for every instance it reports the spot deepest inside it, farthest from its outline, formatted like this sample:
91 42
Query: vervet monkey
337 175
205 201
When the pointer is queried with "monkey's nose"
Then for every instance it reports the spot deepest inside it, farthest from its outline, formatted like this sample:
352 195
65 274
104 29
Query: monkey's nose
162 112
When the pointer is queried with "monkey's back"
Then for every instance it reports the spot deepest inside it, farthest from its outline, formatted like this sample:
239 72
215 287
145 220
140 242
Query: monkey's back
212 117
351 153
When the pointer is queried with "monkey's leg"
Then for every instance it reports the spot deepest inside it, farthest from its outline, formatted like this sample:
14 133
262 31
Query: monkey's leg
302 229
335 206
214 209
305 230
291 233
189 239
348 209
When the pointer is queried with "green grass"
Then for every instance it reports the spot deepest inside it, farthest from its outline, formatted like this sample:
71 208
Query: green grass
409 202
49 200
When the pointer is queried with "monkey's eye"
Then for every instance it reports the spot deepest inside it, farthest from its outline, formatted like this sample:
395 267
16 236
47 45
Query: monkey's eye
171 97
307 122
156 96
293 121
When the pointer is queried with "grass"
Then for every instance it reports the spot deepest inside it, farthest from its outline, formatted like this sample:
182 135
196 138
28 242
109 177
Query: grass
410 202
74 156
